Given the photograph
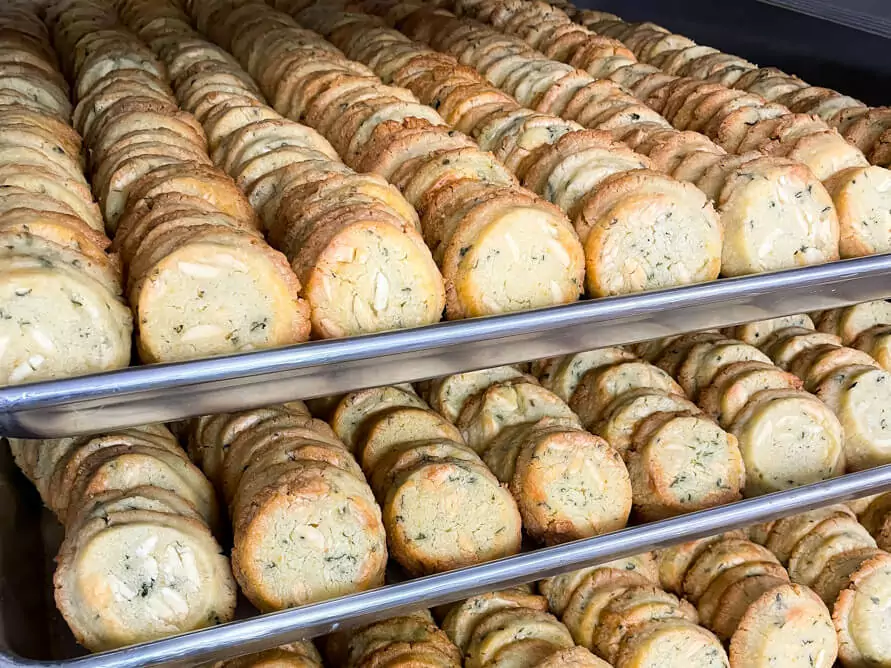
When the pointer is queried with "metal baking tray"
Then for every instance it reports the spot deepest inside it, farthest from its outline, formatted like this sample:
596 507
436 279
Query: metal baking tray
33 634
165 392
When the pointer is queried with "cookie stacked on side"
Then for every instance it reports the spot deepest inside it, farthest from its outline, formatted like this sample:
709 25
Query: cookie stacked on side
305 524
787 436
743 594
200 277
678 459
569 175
138 562
742 106
864 127
62 310
410 640
690 157
863 326
442 508
485 232
829 550
618 611
568 483
513 628
302 654
848 380
352 240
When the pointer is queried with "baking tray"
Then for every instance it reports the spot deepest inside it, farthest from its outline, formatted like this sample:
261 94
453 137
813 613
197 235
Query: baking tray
166 392
33 633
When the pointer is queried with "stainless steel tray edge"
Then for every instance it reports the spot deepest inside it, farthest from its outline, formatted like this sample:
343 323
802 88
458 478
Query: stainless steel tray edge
309 621
161 393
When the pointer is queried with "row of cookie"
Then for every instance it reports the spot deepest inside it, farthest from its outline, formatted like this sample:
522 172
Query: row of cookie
62 310
494 229
30 70
863 326
567 482
512 627
442 508
306 527
138 561
739 121
294 179
520 138
829 550
743 593
738 386
618 611
798 120
300 654
867 128
741 200
412 639
611 394
847 380
188 236
826 154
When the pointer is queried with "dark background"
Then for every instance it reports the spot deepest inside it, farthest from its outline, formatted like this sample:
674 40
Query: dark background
821 52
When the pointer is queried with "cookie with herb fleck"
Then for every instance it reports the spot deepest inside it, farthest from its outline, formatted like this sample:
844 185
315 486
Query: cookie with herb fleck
312 533
460 621
151 572
394 426
679 463
735 384
809 447
668 643
787 625
447 395
445 514
357 407
503 627
506 404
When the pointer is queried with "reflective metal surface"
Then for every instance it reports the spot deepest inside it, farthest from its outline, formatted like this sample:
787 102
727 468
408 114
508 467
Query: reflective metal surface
167 392
273 629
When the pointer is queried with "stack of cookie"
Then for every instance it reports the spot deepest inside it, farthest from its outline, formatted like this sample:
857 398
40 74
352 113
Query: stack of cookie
200 278
513 628
485 232
724 179
568 175
863 326
305 524
301 654
847 380
742 106
568 483
864 127
374 271
829 550
618 611
138 562
411 640
736 385
442 508
62 312
744 595
644 414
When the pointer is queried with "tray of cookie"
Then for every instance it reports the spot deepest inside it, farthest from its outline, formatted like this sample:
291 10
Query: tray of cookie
204 180
687 496
266 175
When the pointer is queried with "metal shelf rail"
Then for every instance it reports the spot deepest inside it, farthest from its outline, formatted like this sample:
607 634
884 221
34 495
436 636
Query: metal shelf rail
161 393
